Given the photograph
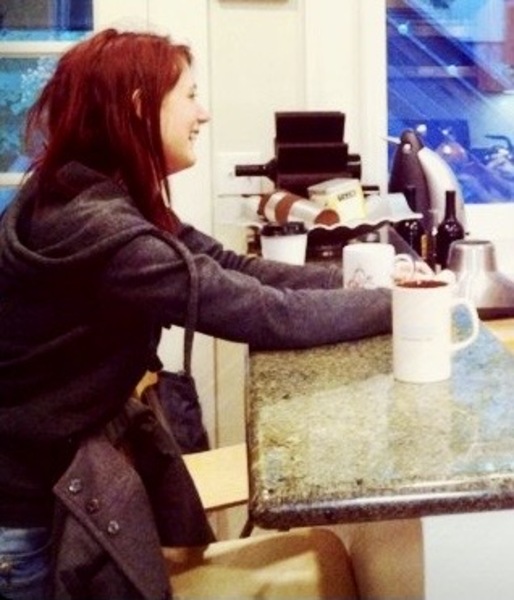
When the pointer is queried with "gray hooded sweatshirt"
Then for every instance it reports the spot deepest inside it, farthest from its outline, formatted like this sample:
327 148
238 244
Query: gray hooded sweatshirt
86 288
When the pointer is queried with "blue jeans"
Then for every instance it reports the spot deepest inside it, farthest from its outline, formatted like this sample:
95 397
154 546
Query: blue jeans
24 563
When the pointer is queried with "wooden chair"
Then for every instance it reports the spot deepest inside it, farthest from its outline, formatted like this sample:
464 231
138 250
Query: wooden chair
220 475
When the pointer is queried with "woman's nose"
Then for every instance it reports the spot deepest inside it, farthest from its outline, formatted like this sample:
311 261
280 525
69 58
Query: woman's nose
203 115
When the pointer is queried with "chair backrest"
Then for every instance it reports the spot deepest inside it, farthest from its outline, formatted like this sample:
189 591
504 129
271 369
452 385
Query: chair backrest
220 476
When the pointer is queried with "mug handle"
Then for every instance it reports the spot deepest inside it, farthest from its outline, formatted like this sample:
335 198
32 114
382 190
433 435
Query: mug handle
475 323
406 267
400 260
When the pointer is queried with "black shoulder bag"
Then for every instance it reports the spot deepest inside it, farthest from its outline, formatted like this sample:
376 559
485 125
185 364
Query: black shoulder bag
176 392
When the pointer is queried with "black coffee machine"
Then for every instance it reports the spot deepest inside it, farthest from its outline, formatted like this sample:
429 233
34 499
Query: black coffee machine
417 165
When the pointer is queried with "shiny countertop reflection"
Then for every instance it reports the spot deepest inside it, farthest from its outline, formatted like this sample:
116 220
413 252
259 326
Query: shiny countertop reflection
333 438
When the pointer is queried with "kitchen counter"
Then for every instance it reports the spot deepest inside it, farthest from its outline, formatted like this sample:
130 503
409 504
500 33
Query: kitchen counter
332 437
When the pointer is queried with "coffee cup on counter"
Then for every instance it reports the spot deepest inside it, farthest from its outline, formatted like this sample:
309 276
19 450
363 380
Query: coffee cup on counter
284 242
372 265
423 316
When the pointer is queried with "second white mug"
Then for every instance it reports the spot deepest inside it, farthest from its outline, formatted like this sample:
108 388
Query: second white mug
372 265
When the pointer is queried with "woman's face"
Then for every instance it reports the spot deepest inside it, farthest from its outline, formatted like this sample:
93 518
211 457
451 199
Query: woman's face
181 117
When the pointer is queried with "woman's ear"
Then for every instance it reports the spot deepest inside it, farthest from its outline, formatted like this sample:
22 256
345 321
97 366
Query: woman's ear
136 101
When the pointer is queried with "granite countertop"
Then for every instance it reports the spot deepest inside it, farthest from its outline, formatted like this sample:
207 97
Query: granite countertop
332 437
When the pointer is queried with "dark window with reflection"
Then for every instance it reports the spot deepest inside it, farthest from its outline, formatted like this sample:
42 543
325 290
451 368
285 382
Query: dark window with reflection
451 78
46 17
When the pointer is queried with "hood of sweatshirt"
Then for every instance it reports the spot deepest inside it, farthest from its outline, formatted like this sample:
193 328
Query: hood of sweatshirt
75 230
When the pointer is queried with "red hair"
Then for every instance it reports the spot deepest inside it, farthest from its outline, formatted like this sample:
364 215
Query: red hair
88 112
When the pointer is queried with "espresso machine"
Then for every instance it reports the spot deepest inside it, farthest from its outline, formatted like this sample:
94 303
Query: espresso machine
416 165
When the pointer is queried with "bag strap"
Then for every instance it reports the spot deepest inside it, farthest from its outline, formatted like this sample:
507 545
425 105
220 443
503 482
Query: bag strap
192 303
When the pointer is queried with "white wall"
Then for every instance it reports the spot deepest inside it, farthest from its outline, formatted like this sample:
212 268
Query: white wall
256 65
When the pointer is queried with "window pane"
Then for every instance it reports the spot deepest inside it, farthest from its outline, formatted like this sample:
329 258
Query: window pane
22 74
6 195
45 19
20 81
451 77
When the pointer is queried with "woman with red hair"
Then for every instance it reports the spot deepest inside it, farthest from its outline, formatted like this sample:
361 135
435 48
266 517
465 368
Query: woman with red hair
94 263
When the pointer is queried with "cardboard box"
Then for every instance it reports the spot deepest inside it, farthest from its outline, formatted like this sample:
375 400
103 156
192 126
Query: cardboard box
343 195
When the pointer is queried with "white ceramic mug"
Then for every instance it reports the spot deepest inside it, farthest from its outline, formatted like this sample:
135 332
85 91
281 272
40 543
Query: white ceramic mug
422 330
285 242
371 265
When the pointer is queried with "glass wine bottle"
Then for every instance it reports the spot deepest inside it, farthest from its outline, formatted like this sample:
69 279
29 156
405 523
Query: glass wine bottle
268 170
449 230
411 230
429 241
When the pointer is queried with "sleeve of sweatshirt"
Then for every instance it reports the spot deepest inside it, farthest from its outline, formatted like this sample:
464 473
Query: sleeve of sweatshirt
278 275
148 277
